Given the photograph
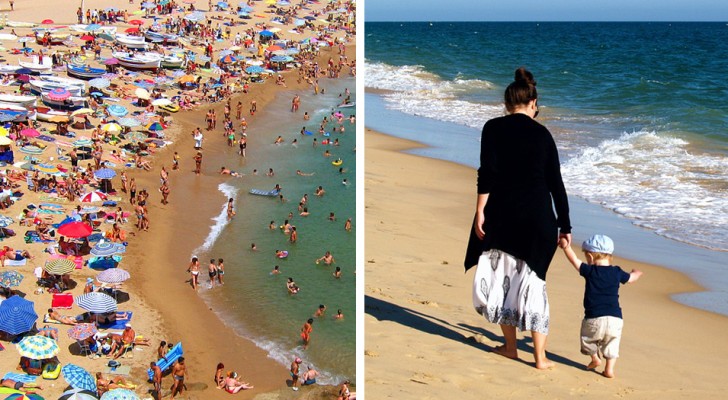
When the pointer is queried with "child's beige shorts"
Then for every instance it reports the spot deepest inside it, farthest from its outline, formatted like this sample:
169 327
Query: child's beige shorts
601 335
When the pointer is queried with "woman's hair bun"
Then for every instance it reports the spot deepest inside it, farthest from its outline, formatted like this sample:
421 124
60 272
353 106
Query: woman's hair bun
524 75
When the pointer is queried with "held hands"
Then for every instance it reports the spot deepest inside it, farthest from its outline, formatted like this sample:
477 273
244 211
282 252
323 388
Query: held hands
564 240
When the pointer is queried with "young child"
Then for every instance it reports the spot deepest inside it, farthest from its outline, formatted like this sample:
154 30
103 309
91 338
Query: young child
601 329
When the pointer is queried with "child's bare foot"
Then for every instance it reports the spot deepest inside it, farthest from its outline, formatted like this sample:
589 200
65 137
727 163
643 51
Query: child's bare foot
608 374
544 363
501 350
593 365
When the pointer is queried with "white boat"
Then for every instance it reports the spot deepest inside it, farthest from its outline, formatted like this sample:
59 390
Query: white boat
55 37
45 84
50 115
81 28
9 69
84 71
71 103
172 61
138 60
23 101
20 24
35 65
158 37
131 41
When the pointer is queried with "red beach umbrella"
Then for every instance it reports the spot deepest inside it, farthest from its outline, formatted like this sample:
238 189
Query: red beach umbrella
30 132
94 196
87 38
59 94
75 230
136 22
131 30
47 22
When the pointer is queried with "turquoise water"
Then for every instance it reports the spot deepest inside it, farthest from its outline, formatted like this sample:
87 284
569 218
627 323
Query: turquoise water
637 109
252 300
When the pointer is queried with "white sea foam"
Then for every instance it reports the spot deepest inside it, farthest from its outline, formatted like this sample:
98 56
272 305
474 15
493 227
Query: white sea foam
414 91
219 221
658 183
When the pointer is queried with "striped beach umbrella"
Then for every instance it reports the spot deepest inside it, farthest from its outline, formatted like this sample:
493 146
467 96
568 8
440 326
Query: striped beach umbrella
81 332
17 315
78 377
24 396
59 94
99 83
59 266
38 347
85 142
129 122
96 302
75 229
31 149
94 196
79 394
5 221
10 279
104 173
120 394
117 111
229 59
46 168
105 249
113 275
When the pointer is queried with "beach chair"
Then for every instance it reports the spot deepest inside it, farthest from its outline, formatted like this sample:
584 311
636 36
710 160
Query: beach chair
84 348
31 185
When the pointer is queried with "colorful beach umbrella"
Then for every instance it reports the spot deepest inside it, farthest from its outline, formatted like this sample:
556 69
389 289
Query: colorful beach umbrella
99 83
24 396
155 127
113 275
84 142
75 229
59 266
94 196
96 302
111 127
229 59
38 347
105 249
17 315
10 278
80 332
29 132
59 94
79 394
104 173
120 394
78 377
117 110
46 168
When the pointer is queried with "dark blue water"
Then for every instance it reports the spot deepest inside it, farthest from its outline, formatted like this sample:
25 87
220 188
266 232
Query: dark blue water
638 110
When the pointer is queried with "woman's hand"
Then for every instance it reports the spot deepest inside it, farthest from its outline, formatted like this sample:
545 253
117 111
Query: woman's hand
478 224
564 240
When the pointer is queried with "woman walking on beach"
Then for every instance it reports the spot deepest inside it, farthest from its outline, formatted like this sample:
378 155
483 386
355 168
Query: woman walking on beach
194 270
198 162
515 232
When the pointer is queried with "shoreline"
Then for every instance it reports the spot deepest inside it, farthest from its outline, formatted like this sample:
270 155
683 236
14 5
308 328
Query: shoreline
416 325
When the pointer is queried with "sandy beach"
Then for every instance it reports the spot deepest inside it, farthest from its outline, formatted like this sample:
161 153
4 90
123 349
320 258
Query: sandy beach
163 304
424 340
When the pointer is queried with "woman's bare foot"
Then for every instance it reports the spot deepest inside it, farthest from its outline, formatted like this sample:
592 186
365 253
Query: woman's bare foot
501 350
608 374
594 364
544 363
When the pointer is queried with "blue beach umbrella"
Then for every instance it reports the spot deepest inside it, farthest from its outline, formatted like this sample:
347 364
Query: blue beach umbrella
99 83
82 142
155 127
78 377
5 221
38 347
222 4
79 394
117 110
96 302
10 279
195 16
254 69
120 394
266 33
105 173
17 315
105 249
31 149
148 5
228 59
281 58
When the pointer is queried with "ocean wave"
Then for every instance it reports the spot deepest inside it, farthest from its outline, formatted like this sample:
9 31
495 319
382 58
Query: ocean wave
219 221
658 183
417 92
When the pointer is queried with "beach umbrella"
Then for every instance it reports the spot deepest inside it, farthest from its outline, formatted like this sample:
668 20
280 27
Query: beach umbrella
223 53
25 39
81 332
5 141
46 168
24 396
266 33
120 394
38 347
310 18
129 122
76 376
148 4
31 149
113 275
92 27
299 22
59 266
104 173
96 302
5 221
105 249
161 102
59 94
8 36
84 142
204 58
111 127
17 315
99 83
82 111
87 38
47 22
111 61
254 69
79 394
142 93
10 278
131 30
94 196
228 59
155 127
274 30
281 58
117 110
29 132
136 22
75 229
222 4
273 48
255 62
195 17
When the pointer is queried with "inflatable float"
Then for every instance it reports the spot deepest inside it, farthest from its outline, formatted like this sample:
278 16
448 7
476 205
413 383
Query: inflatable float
337 162
259 192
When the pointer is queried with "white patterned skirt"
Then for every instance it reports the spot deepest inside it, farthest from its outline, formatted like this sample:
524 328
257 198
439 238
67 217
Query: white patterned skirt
507 292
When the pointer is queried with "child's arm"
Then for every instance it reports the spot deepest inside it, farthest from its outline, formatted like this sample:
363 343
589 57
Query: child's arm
570 255
634 275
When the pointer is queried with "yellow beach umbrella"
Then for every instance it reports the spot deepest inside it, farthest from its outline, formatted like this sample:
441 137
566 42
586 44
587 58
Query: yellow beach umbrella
82 111
111 127
3 132
271 2
5 141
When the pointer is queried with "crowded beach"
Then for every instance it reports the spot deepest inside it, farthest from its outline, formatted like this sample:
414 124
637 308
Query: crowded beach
100 105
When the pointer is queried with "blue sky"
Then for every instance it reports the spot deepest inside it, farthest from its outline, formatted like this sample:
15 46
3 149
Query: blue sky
546 10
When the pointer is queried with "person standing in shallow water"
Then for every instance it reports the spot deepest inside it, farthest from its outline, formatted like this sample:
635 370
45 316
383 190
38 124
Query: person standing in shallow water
515 232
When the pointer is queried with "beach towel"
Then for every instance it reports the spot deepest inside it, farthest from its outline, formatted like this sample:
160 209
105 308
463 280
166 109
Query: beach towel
120 323
25 378
62 300
16 263
47 138
47 211
121 370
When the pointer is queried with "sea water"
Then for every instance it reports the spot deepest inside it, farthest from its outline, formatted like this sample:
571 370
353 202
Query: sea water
637 111
253 301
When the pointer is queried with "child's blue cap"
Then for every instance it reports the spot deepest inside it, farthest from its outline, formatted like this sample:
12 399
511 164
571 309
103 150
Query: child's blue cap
598 244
